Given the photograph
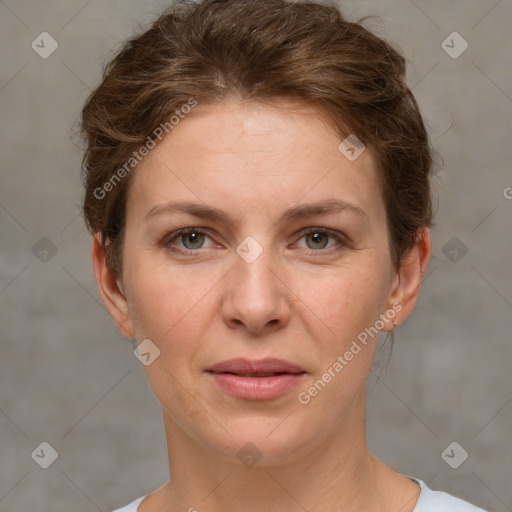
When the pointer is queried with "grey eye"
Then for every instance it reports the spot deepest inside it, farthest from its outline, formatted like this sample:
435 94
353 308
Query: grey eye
194 238
316 238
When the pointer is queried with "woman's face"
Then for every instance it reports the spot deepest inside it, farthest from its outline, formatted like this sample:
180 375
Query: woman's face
252 284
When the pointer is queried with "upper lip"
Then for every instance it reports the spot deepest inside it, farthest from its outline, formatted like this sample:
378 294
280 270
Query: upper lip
255 366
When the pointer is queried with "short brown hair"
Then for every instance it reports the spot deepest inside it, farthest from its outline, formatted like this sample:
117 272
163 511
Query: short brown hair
257 50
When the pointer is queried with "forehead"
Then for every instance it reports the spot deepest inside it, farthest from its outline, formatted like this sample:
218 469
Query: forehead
252 154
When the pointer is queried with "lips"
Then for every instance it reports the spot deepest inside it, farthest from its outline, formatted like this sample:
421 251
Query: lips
268 367
263 379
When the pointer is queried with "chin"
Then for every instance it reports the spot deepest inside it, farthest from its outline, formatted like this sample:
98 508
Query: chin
262 442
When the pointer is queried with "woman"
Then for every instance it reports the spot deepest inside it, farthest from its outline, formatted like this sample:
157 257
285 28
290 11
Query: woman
257 184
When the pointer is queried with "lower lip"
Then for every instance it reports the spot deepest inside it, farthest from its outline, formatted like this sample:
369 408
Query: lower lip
257 388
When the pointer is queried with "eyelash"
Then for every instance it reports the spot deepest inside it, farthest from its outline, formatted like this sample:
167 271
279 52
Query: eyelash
341 240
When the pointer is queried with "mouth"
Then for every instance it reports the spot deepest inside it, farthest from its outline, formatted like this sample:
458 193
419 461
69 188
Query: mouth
257 379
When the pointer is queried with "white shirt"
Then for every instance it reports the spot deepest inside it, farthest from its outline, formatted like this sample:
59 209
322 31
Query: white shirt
429 501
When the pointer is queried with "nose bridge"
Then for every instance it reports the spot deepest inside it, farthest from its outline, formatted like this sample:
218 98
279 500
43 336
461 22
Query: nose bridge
254 271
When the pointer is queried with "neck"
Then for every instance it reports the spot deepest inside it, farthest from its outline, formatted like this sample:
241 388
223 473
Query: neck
333 473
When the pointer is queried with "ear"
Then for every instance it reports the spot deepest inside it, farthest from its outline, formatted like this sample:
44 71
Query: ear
110 291
407 282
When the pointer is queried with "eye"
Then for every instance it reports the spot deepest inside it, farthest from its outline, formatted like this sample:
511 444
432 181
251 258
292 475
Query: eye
317 239
191 238
190 241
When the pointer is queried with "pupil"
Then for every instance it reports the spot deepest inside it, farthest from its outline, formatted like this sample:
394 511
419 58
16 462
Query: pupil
192 238
317 238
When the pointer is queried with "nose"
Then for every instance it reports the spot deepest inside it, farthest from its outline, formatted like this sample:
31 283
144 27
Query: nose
256 297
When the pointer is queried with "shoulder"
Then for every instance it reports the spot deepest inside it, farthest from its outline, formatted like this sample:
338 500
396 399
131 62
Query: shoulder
429 501
437 501
132 507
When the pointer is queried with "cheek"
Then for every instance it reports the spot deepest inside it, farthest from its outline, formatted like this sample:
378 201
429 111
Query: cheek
172 311
344 303
342 312
167 305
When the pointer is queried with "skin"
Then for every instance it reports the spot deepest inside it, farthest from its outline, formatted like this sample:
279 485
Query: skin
303 300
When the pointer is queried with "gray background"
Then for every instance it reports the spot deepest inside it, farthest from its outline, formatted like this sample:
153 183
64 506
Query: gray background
68 378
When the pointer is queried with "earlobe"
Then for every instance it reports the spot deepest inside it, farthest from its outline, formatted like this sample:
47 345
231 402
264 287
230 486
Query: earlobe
111 290
407 282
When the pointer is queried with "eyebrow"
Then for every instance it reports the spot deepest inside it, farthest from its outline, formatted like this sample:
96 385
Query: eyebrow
328 207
